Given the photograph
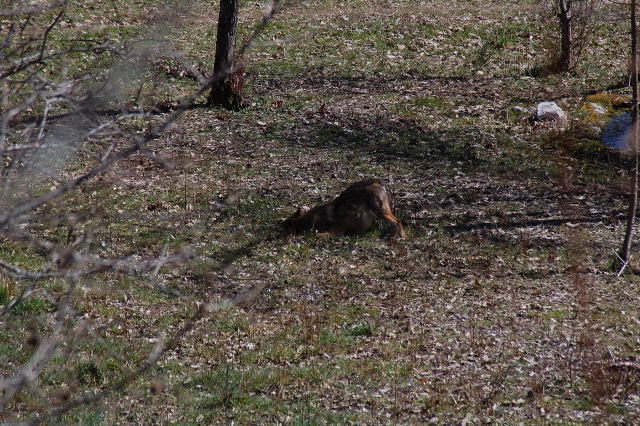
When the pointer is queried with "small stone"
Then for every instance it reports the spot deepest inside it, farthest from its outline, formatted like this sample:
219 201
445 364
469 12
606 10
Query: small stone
550 112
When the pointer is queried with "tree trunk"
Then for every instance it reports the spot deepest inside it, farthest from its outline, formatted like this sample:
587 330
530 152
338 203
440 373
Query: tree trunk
564 15
565 45
633 140
227 89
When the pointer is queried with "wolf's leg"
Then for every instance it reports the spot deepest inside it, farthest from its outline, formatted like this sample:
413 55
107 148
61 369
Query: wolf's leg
389 217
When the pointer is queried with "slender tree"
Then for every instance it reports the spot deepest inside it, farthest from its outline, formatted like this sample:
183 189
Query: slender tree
227 91
633 140
565 18
576 19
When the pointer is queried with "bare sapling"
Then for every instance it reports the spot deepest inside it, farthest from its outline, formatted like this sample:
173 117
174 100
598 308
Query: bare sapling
633 143
576 19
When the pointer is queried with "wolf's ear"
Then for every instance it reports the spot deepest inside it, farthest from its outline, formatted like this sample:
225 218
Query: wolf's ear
298 212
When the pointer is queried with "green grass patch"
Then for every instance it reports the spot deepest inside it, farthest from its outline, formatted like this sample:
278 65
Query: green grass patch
429 101
559 314
5 296
362 330
32 306
89 373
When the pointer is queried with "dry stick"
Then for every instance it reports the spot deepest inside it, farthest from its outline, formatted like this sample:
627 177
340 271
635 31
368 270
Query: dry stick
26 292
100 265
35 59
13 271
633 203
45 38
624 264
67 187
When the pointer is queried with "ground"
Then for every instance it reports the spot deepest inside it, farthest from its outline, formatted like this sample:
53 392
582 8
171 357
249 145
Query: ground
500 306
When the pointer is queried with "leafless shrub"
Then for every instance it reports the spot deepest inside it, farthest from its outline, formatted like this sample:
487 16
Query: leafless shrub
50 115
576 21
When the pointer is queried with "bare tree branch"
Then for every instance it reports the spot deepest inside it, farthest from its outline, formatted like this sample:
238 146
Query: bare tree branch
48 125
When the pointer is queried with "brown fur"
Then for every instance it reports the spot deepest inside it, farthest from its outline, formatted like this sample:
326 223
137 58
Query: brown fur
354 211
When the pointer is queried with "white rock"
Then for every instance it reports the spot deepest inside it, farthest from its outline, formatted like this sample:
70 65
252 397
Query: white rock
549 111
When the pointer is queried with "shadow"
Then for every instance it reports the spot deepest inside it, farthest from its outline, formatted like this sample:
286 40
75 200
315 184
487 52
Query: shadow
512 223
319 79
386 137
442 85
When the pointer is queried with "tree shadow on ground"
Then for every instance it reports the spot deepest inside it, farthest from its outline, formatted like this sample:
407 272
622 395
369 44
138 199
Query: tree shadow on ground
385 138
515 221
446 85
